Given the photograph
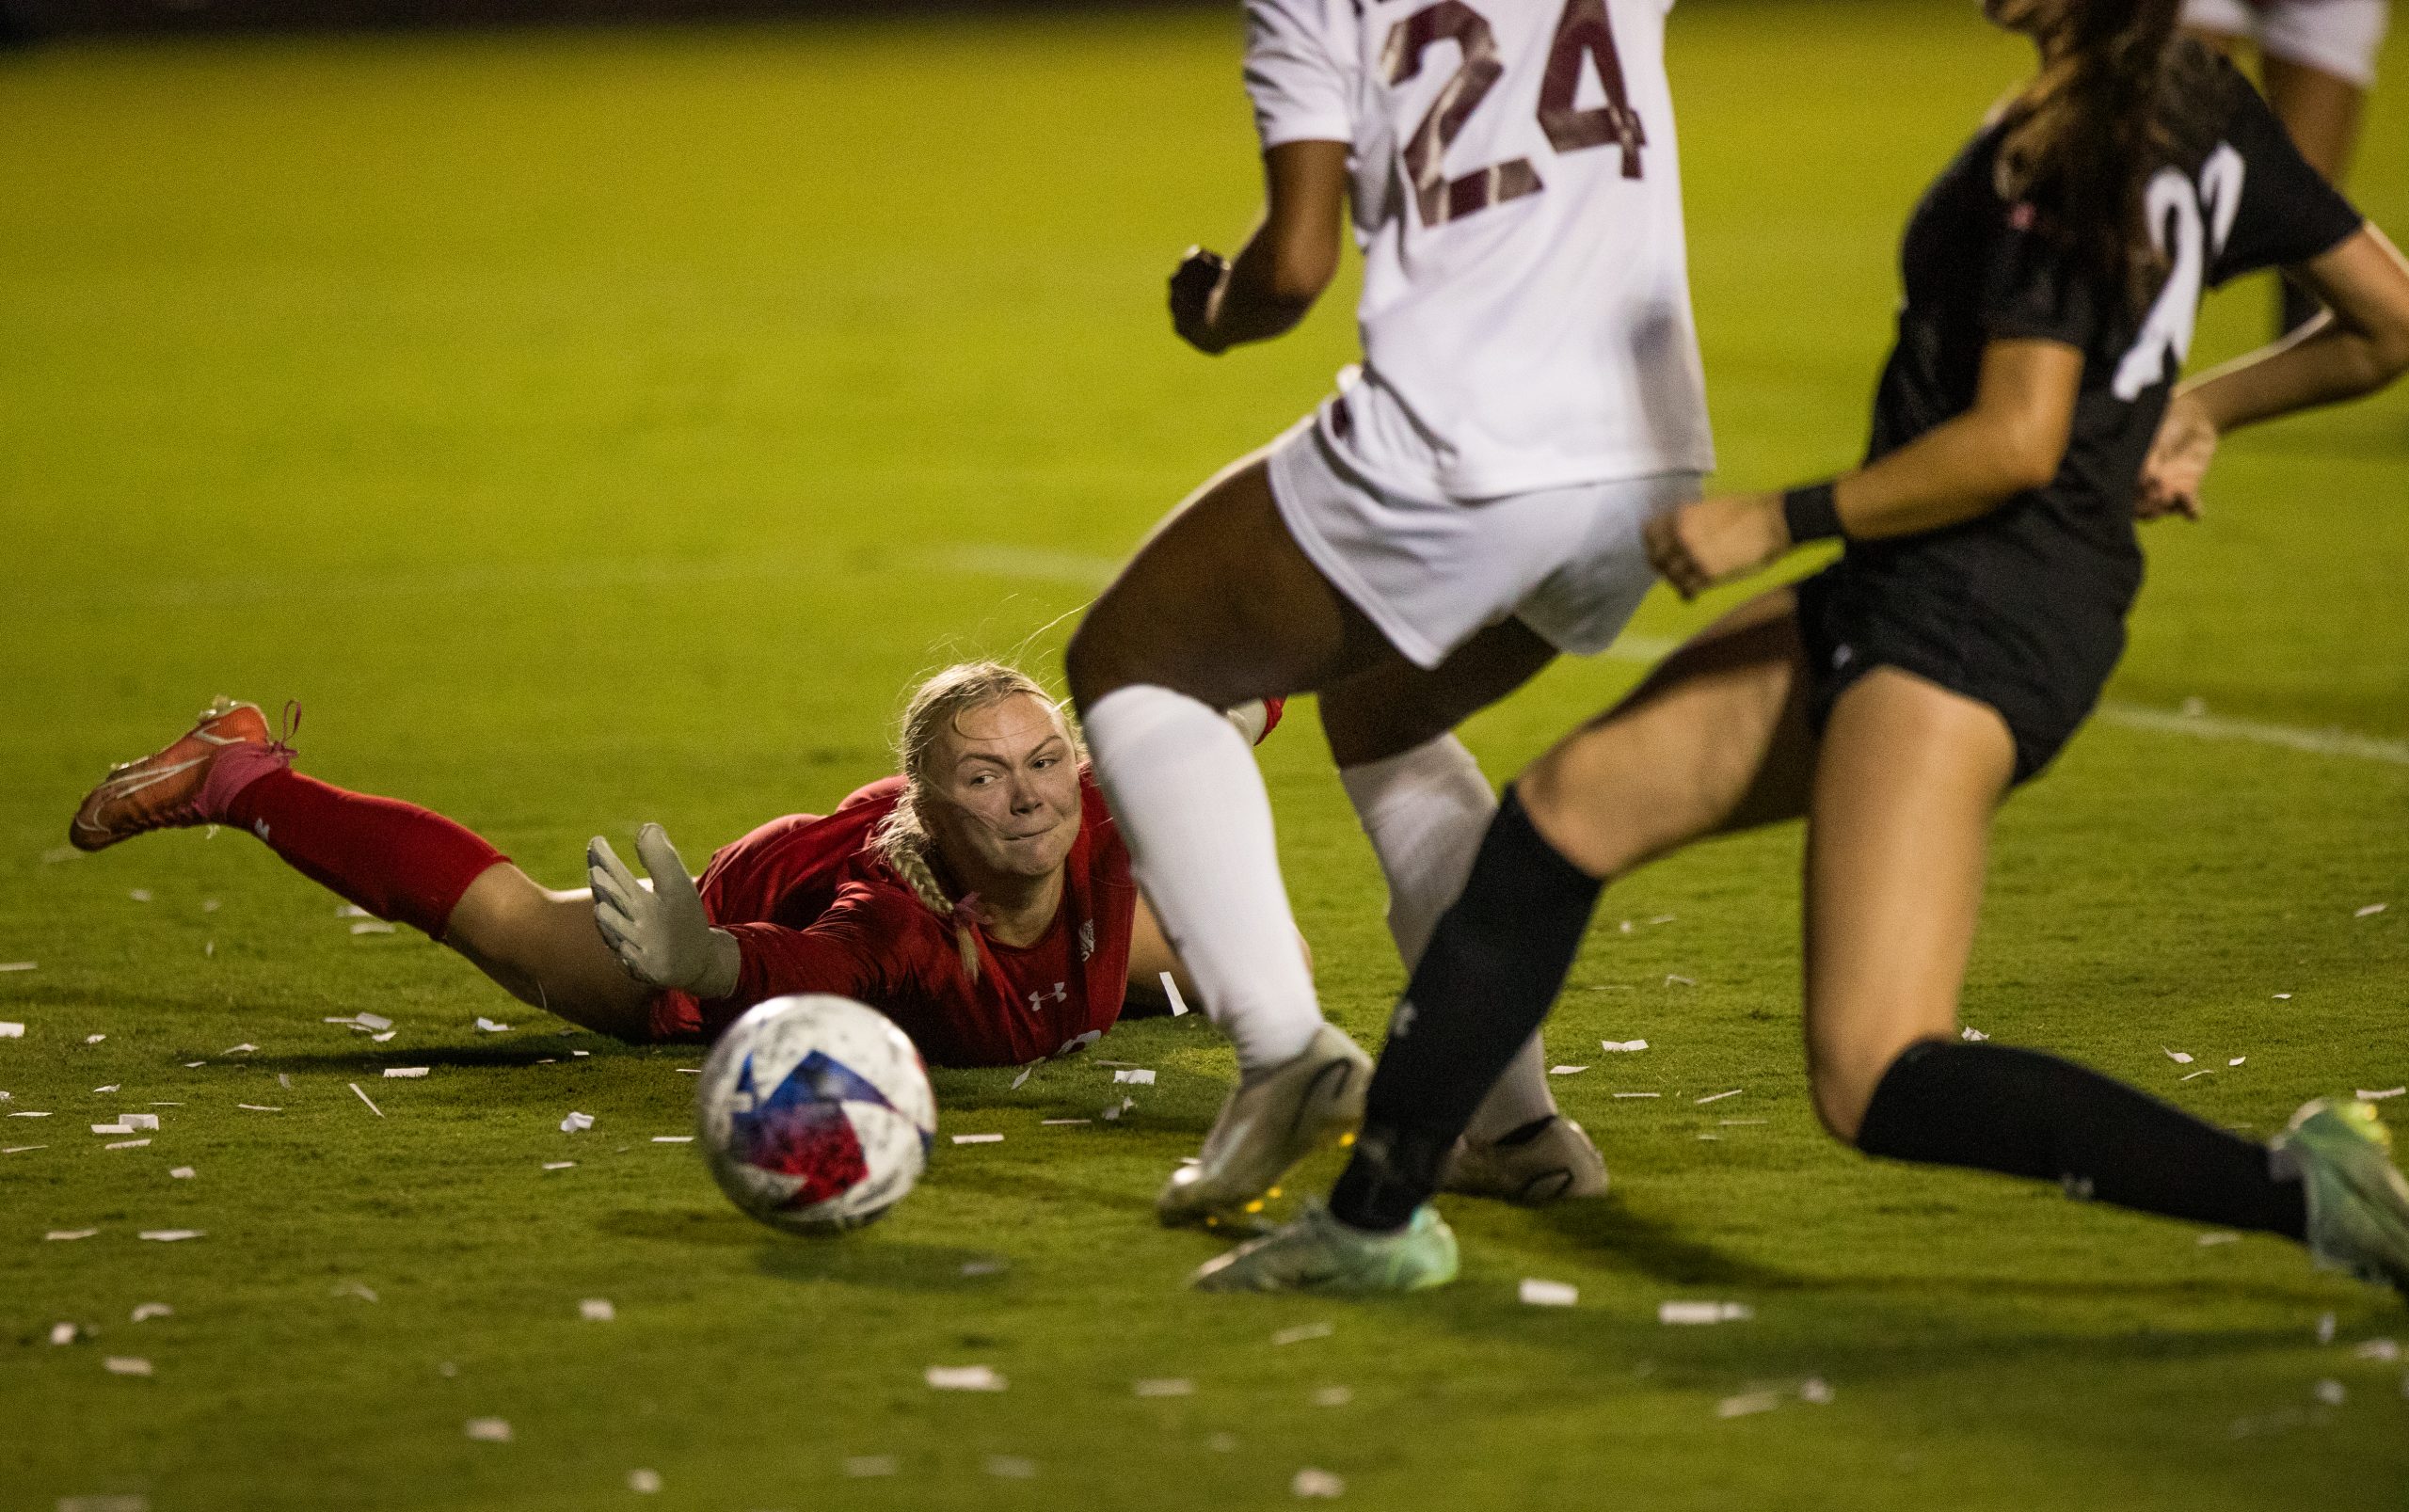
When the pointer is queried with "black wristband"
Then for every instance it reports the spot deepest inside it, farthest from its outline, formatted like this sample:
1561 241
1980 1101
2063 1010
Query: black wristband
1811 512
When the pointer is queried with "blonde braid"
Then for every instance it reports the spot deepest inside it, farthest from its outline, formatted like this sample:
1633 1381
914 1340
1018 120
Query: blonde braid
902 839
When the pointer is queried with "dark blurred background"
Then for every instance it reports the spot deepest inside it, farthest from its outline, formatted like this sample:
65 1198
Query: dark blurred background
29 20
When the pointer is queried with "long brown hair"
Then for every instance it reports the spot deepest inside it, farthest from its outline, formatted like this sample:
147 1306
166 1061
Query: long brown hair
2119 95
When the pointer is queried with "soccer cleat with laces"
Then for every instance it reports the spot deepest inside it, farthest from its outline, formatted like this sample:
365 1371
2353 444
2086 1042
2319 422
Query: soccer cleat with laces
2358 1204
163 790
1553 1161
1267 1126
1315 1253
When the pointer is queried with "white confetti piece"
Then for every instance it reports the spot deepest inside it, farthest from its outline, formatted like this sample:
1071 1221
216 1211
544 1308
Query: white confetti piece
1133 1078
140 895
1972 1035
210 905
29 1115
2332 1392
984 1268
598 1310
2181 1058
1010 1467
558 1165
1313 1484
404 1072
182 1173
689 1071
1301 1332
580 1055
1674 980
372 1020
2366 1096
193 1065
380 1039
1639 1094
2370 911
2236 1060
2283 997
1334 1396
65 1333
112 1128
1622 1046
2325 1328
372 926
351 910
1746 1405
2204 1241
643 1481
125 1144
238 1050
62 1234
1168 1385
577 1123
486 1025
263 1108
978 1139
1170 990
173 1235
1740 1123
1537 1293
365 1098
94 1039
2385 1350
2195 1075
126 1365
1062 1124
353 1288
1693 1312
672 1139
1816 1390
1709 1137
1717 1097
964 1378
19 965
864 1467
489 1430
1566 1071
1022 1080
21 1148
110 1088
139 1121
11 1031
152 1310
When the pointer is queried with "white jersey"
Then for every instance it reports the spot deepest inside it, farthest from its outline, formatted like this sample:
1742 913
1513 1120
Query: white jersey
1525 316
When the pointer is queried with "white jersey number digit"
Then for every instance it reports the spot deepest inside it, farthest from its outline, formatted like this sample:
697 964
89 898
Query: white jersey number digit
2187 224
1582 32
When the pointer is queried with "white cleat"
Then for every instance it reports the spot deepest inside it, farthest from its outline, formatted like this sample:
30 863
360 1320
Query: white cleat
1558 1162
1267 1126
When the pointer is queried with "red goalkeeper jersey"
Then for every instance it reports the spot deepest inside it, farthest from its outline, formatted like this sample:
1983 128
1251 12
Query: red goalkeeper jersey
815 910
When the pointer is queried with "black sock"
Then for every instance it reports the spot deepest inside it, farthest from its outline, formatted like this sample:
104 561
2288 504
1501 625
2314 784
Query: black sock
2027 1114
1493 969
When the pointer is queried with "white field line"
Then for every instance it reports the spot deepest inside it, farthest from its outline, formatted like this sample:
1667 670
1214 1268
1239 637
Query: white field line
2328 742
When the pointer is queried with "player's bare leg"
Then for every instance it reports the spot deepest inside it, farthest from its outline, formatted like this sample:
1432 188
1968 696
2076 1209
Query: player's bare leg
1220 607
1897 842
1424 805
540 946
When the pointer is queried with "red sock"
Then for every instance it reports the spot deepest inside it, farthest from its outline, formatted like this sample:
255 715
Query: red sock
396 860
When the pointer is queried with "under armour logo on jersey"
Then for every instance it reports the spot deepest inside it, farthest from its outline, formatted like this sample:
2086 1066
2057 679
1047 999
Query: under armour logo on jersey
1087 939
1037 999
1401 1022
259 827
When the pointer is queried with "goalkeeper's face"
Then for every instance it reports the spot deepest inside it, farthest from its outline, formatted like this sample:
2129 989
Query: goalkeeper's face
1006 781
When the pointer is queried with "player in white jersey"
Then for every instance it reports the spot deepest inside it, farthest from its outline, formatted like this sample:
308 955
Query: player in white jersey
1468 504
2317 59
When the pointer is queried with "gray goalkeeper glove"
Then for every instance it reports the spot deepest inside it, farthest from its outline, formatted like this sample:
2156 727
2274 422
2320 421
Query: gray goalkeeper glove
661 936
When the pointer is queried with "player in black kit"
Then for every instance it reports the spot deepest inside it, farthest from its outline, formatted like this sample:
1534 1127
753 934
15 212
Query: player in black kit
2028 414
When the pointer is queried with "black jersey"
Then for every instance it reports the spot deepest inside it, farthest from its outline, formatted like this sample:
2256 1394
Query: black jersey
2023 607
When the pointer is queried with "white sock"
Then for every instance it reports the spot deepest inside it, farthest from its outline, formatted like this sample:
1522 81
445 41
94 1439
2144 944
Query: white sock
1425 811
1191 806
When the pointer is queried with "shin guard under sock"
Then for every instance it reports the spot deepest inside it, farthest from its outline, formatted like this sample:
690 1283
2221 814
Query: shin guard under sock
1493 968
396 860
2022 1113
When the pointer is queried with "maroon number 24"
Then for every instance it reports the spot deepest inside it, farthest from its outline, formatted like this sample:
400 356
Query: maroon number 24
1582 32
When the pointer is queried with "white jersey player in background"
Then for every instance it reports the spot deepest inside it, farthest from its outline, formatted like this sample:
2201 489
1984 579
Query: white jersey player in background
1469 503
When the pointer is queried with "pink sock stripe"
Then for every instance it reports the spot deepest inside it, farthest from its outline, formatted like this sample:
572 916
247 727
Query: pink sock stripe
237 767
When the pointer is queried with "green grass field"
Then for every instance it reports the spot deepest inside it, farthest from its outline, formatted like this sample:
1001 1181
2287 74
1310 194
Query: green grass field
599 427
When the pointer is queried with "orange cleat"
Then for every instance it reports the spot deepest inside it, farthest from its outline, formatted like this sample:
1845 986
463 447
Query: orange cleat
163 790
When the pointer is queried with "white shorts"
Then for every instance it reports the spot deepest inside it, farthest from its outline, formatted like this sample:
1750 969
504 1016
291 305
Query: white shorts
1432 572
2337 37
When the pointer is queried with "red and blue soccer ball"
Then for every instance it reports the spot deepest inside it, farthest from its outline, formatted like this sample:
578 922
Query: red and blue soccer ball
816 1113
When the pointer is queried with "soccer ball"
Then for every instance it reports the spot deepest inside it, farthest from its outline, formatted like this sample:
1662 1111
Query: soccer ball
816 1113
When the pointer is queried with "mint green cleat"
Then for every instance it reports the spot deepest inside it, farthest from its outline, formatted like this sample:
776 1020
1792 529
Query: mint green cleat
1315 1253
2358 1204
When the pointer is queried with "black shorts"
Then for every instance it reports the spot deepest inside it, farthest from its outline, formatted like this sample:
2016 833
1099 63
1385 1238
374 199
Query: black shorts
2041 664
